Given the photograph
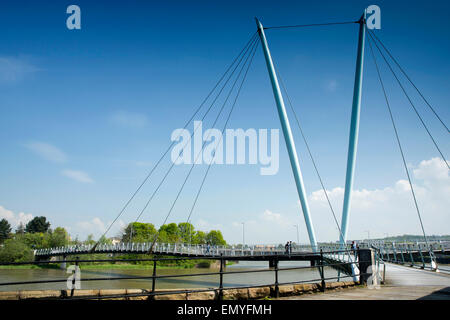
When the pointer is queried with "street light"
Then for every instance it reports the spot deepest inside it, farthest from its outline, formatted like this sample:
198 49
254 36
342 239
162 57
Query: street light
298 238
386 236
243 235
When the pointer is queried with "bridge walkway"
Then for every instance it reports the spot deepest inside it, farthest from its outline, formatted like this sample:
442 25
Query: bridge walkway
402 283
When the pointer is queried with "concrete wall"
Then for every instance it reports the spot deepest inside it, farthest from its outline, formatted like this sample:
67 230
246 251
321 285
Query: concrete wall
228 294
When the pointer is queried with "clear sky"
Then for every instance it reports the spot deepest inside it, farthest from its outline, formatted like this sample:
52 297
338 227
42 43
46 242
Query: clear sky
84 114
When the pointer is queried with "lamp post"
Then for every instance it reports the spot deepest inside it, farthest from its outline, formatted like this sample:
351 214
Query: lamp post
243 236
368 235
298 238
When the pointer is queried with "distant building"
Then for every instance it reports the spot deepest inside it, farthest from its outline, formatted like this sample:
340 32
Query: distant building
115 240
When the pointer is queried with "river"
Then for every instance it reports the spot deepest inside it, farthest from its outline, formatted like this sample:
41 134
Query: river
205 281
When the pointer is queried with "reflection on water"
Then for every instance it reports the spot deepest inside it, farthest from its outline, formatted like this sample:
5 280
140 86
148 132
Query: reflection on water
204 281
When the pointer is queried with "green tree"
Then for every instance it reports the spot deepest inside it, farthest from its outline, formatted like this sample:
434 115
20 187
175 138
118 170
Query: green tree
38 224
20 228
15 250
5 230
199 237
215 237
169 233
139 232
58 238
35 240
186 232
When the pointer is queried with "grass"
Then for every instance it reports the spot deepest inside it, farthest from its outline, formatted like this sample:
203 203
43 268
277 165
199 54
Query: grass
13 267
116 266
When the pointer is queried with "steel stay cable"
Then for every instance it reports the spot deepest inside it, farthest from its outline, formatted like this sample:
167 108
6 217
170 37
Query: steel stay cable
411 103
312 159
409 79
310 25
223 129
170 146
229 115
195 129
399 145
309 151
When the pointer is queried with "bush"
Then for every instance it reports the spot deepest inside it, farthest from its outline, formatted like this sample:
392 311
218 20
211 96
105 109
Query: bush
204 264
14 250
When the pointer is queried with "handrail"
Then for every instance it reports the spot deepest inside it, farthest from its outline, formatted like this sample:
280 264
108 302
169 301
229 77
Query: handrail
154 277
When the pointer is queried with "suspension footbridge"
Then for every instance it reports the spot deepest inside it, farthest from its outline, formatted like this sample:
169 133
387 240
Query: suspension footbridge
353 262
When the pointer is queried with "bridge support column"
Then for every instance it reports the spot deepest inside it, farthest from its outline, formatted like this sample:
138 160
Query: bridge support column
288 137
367 267
354 130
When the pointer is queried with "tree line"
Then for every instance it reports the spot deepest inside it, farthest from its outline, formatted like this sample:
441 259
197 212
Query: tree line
18 246
183 232
36 234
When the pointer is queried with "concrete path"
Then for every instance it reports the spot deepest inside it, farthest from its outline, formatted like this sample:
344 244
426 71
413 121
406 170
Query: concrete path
402 283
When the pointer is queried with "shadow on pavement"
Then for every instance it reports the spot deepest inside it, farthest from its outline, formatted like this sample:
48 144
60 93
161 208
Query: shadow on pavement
443 294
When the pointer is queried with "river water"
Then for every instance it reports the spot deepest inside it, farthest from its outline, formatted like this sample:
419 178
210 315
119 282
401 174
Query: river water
206 281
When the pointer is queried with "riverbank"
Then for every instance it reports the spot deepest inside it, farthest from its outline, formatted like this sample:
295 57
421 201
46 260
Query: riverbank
256 293
119 266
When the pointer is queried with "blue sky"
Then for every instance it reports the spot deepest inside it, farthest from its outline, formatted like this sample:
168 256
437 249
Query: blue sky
84 114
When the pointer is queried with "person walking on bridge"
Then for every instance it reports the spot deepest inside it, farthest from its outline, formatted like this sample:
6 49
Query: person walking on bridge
353 248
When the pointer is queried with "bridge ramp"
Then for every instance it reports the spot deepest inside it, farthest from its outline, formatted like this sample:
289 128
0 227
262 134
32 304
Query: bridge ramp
402 283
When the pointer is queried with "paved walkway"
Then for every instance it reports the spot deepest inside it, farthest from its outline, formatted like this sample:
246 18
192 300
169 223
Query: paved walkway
402 283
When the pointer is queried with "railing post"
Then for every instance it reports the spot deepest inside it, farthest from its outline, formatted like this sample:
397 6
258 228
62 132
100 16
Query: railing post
410 255
322 276
421 255
74 277
401 254
277 289
221 278
395 252
154 279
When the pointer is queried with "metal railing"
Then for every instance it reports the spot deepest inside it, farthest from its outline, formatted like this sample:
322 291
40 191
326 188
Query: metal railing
409 253
319 258
395 248
171 248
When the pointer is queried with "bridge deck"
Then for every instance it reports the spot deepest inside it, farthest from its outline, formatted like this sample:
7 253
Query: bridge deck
402 283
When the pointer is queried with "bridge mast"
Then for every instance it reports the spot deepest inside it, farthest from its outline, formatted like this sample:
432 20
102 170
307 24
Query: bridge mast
354 129
287 136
